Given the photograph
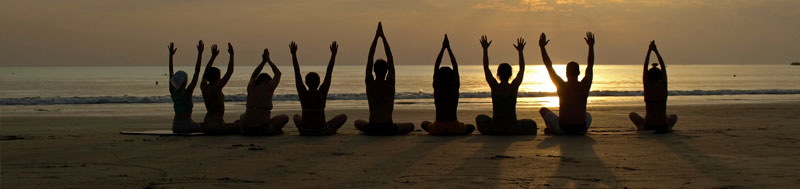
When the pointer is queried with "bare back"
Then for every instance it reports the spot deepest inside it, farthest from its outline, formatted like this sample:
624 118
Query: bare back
655 98
380 90
504 100
504 93
572 94
655 90
313 104
572 102
445 97
214 99
259 103
380 95
313 98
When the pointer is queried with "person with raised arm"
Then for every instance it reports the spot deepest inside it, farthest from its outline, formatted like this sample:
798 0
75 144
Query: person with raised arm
211 86
313 98
380 93
445 96
655 97
572 94
504 97
256 118
181 94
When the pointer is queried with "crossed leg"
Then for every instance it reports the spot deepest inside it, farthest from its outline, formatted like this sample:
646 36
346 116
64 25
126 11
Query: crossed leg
298 120
637 120
551 121
425 125
276 124
360 124
336 123
402 128
672 119
526 127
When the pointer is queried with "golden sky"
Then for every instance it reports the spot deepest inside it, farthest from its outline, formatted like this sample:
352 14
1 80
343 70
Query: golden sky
116 32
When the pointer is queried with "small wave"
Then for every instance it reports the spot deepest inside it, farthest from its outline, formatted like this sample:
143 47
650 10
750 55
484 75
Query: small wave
358 96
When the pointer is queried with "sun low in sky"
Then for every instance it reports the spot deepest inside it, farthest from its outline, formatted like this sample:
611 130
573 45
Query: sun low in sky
101 32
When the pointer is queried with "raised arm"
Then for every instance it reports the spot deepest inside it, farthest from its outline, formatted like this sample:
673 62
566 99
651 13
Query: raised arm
439 57
190 87
326 84
210 64
298 80
172 50
275 71
647 62
389 57
371 57
452 60
590 60
547 63
660 62
520 46
228 73
487 73
264 58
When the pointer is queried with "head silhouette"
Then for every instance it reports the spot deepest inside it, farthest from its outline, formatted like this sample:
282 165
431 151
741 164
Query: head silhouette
312 80
444 74
654 74
380 68
212 75
262 78
504 72
178 80
573 70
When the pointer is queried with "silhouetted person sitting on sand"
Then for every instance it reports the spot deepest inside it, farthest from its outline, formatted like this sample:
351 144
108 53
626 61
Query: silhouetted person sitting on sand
380 94
214 99
445 95
573 118
655 97
256 118
182 101
312 100
504 97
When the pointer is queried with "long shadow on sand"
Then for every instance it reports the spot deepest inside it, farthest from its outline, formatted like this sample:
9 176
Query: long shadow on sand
394 166
706 164
482 169
238 149
328 146
578 164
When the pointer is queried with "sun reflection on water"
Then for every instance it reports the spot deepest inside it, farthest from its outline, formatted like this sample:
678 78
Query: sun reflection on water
538 80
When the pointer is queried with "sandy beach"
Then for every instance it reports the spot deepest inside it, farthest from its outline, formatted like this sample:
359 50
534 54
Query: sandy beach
75 75
715 146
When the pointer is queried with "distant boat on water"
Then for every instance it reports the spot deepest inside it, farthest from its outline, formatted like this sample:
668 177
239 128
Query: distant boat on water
795 64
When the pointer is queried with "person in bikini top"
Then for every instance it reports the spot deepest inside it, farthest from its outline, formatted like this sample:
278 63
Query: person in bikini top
181 93
655 96
256 118
312 99
445 96
504 97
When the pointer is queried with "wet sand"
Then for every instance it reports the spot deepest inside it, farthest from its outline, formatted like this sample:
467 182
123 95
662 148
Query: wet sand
724 145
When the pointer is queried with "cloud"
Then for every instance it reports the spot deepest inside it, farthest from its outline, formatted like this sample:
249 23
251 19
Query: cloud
535 5
519 6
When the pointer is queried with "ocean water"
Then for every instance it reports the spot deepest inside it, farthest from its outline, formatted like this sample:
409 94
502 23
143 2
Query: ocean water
613 84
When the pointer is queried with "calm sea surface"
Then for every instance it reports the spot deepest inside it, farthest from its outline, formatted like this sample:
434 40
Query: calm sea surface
133 85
